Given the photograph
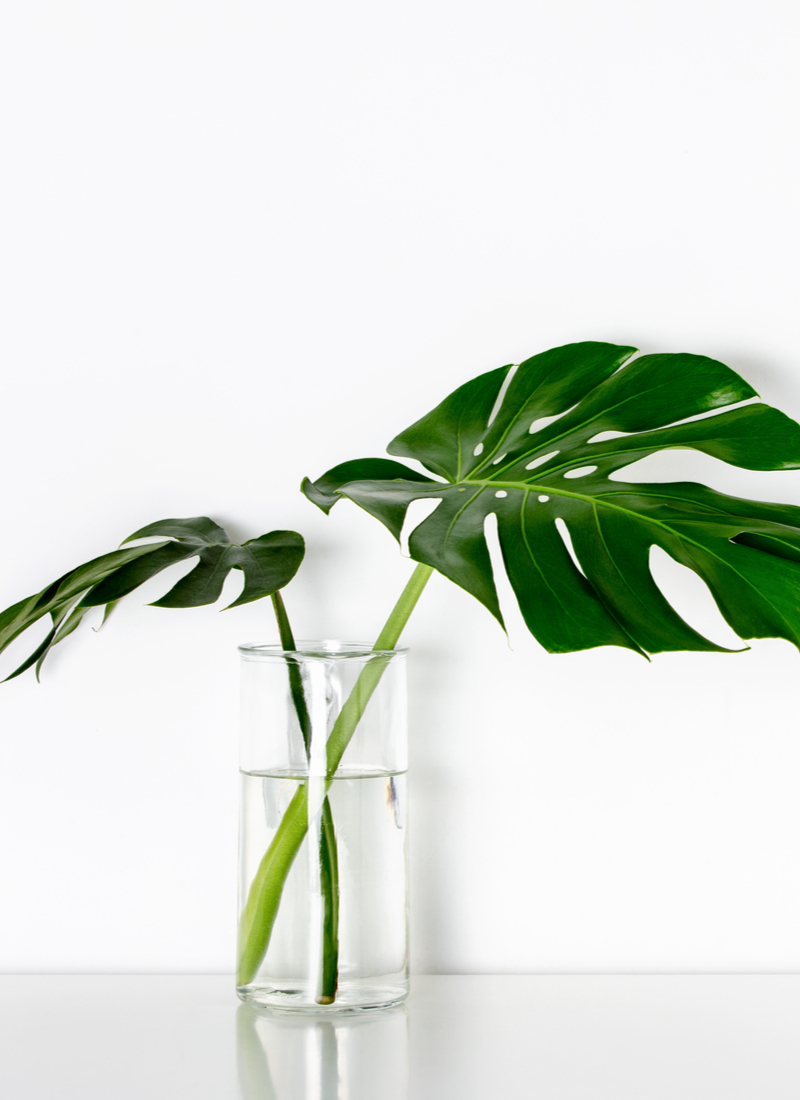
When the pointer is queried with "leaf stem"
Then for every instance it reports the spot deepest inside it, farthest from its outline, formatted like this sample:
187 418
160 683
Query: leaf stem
329 888
395 624
295 678
261 907
354 706
328 856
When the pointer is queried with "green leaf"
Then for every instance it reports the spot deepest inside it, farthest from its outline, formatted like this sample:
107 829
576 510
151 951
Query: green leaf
325 492
62 593
199 528
136 572
538 443
268 563
35 658
109 608
70 623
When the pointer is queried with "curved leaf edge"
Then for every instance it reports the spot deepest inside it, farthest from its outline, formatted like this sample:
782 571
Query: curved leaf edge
752 546
269 562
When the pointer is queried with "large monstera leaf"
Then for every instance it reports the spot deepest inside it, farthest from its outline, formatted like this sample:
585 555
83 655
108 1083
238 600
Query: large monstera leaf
536 444
268 563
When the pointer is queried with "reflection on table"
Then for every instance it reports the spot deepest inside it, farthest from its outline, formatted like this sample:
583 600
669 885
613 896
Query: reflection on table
548 1037
359 1056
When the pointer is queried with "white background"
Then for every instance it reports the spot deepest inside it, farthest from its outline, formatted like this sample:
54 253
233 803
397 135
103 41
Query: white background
244 242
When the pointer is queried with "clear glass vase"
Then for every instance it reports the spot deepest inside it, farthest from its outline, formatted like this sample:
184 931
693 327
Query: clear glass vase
323 922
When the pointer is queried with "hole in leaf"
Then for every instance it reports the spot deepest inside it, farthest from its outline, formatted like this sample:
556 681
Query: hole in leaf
541 460
543 499
546 421
416 513
478 450
691 597
505 593
603 437
501 493
496 460
582 471
542 422
566 538
502 393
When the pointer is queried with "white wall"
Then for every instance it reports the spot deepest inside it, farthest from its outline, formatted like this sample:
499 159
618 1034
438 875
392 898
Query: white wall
244 242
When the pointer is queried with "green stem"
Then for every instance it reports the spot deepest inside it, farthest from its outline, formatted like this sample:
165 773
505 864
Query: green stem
329 888
356 703
295 678
328 857
261 907
395 624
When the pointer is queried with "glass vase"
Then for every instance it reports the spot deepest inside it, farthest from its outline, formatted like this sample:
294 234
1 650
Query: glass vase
323 917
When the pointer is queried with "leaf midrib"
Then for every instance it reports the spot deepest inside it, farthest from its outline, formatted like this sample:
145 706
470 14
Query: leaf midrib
593 501
555 594
578 427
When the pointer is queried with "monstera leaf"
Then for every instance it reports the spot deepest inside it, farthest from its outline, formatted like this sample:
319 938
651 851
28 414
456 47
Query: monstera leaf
536 445
268 563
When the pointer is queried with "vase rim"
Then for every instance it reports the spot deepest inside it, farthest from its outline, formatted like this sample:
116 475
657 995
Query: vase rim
317 649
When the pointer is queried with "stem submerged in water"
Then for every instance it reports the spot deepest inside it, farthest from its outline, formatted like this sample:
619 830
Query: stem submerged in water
328 857
261 907
329 880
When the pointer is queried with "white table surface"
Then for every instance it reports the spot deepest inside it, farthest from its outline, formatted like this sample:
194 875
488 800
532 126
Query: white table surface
682 1037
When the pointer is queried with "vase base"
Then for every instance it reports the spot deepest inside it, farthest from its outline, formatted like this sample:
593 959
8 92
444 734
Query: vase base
352 996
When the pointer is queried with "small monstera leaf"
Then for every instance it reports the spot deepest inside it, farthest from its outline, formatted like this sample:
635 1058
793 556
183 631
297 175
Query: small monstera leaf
536 445
268 563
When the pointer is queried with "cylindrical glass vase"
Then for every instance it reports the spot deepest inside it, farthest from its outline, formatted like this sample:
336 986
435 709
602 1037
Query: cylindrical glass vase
323 915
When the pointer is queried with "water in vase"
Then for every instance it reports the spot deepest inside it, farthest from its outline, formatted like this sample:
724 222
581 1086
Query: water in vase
368 818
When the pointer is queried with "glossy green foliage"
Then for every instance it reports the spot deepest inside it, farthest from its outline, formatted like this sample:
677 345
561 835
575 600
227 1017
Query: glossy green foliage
268 564
537 443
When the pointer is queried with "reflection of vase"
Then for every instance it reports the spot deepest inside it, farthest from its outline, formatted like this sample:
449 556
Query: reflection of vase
323 922
290 1057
